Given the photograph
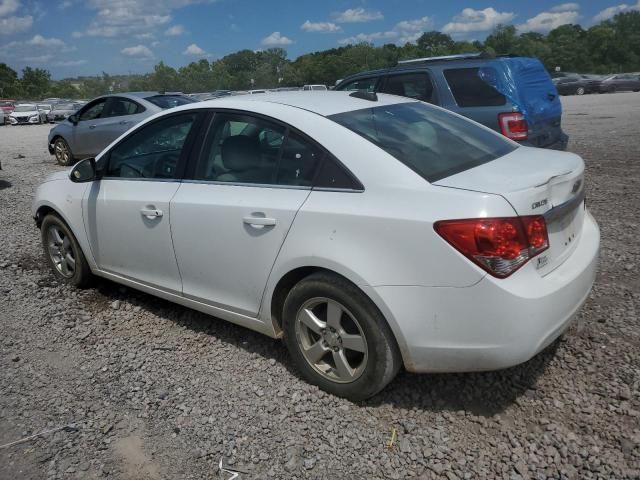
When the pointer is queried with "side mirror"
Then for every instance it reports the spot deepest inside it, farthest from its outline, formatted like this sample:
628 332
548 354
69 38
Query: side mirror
73 119
84 171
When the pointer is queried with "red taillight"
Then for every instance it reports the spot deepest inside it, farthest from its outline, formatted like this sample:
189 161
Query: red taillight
498 245
513 125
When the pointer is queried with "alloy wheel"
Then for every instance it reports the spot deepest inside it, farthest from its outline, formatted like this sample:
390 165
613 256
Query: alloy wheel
331 340
61 251
62 152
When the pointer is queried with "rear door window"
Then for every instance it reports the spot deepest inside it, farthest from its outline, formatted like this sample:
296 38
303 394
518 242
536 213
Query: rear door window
416 85
119 107
432 142
469 90
362 84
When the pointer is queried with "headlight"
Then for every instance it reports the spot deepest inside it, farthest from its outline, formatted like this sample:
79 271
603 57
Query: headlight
33 117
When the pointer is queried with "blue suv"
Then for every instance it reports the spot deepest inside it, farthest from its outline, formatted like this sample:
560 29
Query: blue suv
512 95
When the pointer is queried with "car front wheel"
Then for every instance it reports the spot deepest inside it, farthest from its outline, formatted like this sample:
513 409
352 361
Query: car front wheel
338 339
63 252
62 152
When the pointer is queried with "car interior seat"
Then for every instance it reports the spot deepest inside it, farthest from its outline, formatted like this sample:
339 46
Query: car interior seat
242 159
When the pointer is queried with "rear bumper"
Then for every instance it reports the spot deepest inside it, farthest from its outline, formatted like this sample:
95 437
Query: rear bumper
495 323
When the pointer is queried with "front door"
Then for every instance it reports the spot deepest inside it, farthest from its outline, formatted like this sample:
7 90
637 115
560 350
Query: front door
230 220
86 132
127 213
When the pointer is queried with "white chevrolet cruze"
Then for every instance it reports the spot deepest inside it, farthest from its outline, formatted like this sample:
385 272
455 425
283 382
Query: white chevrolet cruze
370 232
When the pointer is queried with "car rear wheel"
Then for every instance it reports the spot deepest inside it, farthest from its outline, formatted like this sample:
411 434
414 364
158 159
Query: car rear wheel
62 152
338 339
63 252
580 91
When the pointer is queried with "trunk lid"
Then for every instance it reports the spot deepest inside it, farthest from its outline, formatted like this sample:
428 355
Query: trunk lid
535 182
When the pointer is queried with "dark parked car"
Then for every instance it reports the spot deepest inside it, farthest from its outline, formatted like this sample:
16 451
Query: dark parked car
577 84
512 95
102 120
620 83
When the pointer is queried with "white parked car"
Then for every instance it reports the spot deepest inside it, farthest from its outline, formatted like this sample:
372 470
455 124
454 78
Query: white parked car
369 231
26 113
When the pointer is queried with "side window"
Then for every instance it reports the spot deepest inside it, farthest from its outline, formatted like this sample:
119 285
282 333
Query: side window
299 161
241 149
413 85
118 107
153 151
469 90
333 175
93 110
366 84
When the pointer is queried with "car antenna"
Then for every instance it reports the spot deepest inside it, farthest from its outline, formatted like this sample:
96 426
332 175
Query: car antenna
371 96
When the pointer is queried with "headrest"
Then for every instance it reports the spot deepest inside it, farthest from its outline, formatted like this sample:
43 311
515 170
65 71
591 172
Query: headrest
240 152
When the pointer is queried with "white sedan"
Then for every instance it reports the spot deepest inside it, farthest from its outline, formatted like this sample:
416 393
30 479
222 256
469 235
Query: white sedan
369 231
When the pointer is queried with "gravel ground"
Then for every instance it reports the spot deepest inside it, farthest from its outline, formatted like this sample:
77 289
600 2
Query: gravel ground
156 391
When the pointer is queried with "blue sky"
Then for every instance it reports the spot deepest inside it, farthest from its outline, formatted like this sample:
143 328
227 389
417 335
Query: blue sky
86 37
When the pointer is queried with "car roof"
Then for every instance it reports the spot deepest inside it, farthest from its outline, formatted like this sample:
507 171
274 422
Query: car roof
322 102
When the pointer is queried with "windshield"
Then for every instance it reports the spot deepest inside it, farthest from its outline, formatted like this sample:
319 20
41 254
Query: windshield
6 104
25 108
169 101
432 142
64 106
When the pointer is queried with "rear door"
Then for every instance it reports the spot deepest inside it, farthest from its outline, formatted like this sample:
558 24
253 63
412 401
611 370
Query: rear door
120 115
230 220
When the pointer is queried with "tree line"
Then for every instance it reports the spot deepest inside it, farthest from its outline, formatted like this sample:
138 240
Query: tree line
611 46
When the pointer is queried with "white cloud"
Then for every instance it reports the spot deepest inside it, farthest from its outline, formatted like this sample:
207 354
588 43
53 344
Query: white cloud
358 15
470 20
565 7
66 4
276 40
38 59
322 27
139 51
7 7
126 18
403 32
194 50
41 41
611 12
546 21
11 25
174 31
68 63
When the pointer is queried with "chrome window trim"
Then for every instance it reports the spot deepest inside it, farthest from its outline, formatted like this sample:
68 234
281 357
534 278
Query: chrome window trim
271 185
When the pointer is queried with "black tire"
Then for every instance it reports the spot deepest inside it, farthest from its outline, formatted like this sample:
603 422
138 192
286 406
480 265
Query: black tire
60 146
382 357
81 276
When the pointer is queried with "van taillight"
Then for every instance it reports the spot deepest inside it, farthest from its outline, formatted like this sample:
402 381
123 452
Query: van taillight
498 245
513 125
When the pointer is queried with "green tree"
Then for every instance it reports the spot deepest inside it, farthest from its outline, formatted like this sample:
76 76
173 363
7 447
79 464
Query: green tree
35 82
9 86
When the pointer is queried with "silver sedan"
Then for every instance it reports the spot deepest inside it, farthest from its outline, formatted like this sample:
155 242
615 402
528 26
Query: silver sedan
102 120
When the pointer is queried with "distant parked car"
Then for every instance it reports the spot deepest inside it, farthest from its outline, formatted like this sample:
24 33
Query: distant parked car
577 84
315 87
7 106
512 95
620 83
45 108
3 118
102 120
26 114
62 111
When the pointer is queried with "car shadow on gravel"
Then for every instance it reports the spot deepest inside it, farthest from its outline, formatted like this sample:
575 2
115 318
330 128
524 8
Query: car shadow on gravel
5 184
479 393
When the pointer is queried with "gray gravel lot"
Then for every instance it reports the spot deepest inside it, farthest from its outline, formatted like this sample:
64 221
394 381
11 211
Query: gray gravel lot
158 391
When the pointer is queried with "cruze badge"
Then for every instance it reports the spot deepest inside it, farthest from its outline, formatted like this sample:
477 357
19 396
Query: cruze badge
539 204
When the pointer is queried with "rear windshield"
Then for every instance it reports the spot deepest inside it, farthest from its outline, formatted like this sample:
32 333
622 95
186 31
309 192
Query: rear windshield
169 101
470 90
432 142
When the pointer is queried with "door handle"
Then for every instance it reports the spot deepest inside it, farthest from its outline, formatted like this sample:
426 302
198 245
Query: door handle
151 212
124 122
92 127
259 221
